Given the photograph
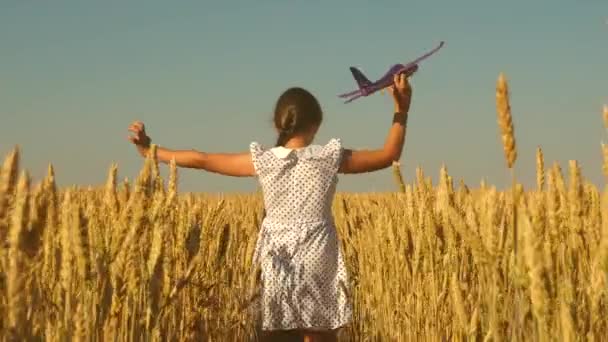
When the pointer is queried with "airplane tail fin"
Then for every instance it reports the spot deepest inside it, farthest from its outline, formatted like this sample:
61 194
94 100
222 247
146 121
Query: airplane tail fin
362 81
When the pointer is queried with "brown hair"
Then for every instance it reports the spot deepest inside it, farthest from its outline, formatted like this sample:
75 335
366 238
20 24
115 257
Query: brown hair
296 111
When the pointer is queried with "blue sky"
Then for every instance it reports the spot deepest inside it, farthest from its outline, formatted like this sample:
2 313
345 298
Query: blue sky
205 75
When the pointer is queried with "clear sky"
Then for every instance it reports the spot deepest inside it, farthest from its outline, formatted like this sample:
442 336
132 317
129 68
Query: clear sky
206 74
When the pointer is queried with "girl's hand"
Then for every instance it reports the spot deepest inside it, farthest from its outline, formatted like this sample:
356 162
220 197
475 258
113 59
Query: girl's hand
401 92
139 139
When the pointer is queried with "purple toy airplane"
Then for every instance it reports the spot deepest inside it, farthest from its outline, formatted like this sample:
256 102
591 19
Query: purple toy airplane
366 87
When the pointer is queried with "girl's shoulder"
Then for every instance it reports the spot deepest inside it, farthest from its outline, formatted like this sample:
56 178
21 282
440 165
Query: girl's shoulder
328 149
333 145
329 154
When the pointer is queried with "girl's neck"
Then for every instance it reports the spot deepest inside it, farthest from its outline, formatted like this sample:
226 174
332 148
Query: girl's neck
296 142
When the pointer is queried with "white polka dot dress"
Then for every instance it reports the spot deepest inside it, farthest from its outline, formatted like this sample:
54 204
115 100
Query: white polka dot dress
303 276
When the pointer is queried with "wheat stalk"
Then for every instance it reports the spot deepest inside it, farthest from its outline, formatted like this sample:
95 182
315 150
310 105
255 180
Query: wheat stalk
540 169
505 122
398 176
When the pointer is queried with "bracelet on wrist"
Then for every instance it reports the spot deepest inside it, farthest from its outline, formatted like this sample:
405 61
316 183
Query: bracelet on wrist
400 117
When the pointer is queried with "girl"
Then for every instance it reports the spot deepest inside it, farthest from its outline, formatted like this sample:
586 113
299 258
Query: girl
304 280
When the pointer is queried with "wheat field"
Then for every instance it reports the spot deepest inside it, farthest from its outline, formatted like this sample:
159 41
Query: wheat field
143 262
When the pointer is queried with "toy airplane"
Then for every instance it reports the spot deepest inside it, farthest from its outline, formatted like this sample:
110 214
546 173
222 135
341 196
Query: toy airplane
366 87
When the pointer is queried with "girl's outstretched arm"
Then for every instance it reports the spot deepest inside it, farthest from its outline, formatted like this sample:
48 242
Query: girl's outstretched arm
359 161
228 164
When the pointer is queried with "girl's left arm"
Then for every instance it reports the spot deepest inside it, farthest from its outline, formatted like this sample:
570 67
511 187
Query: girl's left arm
228 164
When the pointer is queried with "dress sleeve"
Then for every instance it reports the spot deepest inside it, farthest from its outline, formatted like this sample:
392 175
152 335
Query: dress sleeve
334 151
256 153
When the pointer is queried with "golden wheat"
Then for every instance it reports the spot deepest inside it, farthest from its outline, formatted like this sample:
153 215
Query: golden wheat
432 262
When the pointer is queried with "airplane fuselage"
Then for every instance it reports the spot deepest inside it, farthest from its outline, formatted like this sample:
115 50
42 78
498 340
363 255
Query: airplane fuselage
387 79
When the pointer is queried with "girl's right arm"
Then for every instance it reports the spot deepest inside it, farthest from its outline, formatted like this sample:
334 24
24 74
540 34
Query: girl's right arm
229 164
359 161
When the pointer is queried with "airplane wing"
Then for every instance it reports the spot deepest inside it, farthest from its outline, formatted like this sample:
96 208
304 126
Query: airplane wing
425 56
349 94
353 98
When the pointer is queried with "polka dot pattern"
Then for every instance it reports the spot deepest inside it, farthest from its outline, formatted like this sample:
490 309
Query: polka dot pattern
304 279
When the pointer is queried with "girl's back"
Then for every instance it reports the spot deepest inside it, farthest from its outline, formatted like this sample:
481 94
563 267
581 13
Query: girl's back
298 184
